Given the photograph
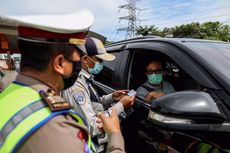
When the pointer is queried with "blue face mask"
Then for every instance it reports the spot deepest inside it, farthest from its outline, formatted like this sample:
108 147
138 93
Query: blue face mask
97 68
155 78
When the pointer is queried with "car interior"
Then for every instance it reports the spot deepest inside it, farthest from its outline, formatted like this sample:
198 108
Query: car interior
174 74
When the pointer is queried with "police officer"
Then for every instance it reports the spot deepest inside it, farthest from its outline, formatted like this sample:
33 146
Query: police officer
2 74
34 118
82 94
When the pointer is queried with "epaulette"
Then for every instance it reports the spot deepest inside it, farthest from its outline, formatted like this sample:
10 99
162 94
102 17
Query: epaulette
55 102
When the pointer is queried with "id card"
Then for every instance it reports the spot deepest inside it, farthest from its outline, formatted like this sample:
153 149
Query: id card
132 93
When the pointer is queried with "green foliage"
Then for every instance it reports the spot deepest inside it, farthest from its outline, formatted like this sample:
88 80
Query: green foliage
148 30
109 42
207 30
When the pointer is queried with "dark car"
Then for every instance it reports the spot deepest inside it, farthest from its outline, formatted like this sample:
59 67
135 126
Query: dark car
196 116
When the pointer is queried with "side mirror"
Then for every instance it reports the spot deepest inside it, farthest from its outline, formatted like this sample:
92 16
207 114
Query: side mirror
187 110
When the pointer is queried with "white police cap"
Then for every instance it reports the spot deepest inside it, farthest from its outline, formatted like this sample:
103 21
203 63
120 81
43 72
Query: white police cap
68 28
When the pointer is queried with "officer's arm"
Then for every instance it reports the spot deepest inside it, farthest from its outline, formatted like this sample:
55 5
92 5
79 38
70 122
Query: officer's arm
111 125
106 100
118 107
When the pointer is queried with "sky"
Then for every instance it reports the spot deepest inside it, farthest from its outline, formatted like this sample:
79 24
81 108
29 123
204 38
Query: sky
161 13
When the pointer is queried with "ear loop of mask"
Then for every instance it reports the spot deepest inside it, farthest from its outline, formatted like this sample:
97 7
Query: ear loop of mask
92 60
86 62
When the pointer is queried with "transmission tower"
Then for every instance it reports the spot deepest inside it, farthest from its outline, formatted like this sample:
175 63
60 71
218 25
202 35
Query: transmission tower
131 18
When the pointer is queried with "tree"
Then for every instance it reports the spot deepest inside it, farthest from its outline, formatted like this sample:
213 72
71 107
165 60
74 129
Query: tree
187 31
167 32
207 30
148 30
225 33
215 31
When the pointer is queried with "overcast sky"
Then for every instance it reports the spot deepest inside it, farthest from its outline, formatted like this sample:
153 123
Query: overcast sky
162 13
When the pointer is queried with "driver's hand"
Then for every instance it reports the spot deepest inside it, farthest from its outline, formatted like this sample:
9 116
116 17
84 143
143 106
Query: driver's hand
156 95
127 101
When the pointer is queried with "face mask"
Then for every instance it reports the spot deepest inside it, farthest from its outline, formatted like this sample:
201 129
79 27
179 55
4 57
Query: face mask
70 80
97 68
155 78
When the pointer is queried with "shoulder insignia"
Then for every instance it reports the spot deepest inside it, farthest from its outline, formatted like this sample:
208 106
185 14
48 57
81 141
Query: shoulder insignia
78 89
54 101
75 89
79 97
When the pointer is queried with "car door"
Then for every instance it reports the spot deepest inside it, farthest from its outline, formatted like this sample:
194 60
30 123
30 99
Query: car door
194 69
109 79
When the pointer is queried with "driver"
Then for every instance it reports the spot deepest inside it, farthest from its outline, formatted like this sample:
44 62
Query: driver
155 86
83 95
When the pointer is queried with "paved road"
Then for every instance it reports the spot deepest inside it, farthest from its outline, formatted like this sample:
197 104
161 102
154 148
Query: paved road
9 77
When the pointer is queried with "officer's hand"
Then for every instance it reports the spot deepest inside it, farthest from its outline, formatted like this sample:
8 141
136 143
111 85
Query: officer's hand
117 95
156 95
127 101
99 124
110 124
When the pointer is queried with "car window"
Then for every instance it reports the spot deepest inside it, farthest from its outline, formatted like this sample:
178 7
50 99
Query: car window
107 73
173 74
215 54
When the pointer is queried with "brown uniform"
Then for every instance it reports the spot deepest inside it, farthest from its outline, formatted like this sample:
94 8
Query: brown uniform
62 133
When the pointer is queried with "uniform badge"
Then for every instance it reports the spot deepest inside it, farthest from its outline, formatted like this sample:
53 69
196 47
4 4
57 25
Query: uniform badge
79 97
54 101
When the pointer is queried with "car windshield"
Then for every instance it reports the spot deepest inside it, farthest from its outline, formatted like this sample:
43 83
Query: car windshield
217 54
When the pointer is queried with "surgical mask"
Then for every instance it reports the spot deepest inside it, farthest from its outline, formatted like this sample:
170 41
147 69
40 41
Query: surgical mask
155 78
97 68
70 80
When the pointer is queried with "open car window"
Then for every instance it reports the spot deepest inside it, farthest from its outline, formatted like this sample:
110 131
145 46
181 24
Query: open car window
174 74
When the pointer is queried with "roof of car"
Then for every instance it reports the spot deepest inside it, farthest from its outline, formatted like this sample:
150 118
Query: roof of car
157 38
196 48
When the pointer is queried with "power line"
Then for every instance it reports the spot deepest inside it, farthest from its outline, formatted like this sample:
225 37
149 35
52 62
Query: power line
227 21
217 8
166 7
131 18
114 32
170 4
164 10
193 19
114 24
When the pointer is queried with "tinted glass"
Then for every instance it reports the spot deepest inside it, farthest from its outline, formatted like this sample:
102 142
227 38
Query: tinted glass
107 73
215 54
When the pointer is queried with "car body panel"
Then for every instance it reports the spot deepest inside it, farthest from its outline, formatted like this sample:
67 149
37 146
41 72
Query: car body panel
192 63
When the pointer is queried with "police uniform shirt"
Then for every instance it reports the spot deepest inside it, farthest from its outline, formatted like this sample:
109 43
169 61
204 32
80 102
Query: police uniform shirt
62 133
50 137
166 88
79 96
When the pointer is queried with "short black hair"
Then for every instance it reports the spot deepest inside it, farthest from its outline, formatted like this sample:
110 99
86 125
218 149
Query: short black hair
150 60
37 55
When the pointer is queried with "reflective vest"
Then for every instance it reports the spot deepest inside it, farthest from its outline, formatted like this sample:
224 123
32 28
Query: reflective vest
22 112
201 147
207 148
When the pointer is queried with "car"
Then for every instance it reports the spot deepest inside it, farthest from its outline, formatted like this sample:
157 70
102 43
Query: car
196 116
